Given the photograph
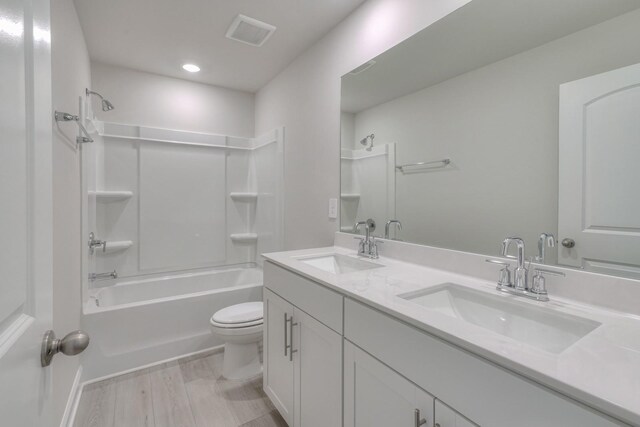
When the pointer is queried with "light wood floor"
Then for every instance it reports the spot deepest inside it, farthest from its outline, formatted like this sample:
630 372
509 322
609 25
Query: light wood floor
189 392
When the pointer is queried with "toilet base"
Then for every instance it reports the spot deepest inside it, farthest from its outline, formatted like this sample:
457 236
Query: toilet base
241 361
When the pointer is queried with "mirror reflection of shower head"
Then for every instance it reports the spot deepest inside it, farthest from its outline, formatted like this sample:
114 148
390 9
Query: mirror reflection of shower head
106 105
366 140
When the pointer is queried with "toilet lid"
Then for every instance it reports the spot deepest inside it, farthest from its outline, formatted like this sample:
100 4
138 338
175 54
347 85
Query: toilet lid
239 313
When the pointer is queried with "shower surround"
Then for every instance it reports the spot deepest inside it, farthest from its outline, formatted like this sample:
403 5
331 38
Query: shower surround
184 216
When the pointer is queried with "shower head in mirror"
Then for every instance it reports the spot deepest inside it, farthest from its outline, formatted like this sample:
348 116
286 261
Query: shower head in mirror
106 105
368 141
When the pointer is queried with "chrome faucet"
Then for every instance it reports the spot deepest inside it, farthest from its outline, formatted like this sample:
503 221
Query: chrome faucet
368 246
96 243
521 274
388 225
520 285
545 240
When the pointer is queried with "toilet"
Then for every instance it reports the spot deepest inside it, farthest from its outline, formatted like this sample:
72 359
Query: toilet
240 326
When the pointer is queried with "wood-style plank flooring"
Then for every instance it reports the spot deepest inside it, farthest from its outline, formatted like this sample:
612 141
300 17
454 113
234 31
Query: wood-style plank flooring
188 392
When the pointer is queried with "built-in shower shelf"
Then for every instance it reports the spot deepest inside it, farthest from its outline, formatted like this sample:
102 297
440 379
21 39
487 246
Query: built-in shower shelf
111 196
244 197
244 238
350 196
115 246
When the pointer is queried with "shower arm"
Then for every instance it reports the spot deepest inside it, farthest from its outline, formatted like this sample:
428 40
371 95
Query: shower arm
66 117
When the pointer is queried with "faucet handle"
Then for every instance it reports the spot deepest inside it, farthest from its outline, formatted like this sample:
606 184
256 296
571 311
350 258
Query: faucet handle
539 285
373 247
504 280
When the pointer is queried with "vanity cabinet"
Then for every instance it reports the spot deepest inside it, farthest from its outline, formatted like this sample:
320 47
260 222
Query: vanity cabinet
317 341
302 355
377 396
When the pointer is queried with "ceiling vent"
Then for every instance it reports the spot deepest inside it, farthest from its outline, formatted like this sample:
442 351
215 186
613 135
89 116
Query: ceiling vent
250 31
364 67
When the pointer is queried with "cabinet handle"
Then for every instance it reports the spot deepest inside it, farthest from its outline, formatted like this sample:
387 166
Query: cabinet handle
291 350
418 420
286 345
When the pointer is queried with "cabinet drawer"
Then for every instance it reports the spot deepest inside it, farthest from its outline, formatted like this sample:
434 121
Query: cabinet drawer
319 302
483 392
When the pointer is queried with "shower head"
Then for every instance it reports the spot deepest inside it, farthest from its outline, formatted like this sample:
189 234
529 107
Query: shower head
366 140
106 105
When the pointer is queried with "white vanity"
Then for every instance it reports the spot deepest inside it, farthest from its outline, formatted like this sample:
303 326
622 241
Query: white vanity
428 342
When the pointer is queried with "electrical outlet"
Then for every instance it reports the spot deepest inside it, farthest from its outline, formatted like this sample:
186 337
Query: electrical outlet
333 208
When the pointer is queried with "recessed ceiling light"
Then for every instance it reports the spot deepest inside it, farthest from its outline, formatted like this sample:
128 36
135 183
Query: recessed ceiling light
192 68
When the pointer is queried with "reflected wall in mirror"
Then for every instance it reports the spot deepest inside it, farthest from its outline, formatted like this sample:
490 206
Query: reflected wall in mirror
505 118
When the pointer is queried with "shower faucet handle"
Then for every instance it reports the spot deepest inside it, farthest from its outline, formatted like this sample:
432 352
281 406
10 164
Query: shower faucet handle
96 243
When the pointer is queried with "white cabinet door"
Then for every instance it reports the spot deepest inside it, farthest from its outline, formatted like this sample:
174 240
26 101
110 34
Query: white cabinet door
599 175
25 212
318 373
377 396
278 365
447 417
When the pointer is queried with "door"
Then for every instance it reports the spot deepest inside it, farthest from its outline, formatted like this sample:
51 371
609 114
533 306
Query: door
599 207
377 396
318 373
25 211
278 361
447 417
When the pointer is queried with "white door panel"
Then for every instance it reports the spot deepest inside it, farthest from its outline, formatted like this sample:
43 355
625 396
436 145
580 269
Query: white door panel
25 211
318 373
278 365
377 396
599 203
447 417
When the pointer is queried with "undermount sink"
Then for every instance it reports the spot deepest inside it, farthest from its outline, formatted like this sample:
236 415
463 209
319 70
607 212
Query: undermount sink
338 264
540 327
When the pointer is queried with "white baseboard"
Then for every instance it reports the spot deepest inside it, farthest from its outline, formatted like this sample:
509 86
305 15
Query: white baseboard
69 415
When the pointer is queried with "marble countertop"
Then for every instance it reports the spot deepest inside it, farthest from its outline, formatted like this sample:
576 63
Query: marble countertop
601 370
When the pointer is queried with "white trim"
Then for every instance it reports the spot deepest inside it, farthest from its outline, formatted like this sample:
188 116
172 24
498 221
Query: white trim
16 329
70 410
171 141
212 350
172 136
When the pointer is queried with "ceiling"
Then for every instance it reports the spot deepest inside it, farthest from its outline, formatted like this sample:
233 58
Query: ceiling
158 36
478 34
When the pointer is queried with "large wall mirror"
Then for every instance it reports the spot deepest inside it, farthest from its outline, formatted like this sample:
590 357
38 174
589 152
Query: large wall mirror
506 118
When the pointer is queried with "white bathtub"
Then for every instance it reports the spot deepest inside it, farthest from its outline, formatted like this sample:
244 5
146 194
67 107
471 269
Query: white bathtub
133 323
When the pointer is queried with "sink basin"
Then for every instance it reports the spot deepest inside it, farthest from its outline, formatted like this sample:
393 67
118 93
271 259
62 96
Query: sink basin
540 327
338 264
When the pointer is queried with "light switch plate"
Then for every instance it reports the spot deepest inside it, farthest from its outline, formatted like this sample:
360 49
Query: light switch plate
333 208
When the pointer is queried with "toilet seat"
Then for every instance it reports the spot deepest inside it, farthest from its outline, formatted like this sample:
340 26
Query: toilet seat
235 325
239 316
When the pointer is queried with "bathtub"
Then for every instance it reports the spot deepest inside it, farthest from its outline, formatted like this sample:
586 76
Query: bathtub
138 322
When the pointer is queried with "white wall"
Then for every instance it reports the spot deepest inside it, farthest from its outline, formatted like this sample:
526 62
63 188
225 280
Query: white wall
499 125
305 99
71 75
151 100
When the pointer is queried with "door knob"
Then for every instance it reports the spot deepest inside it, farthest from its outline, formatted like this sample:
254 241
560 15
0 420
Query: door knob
73 343
568 243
